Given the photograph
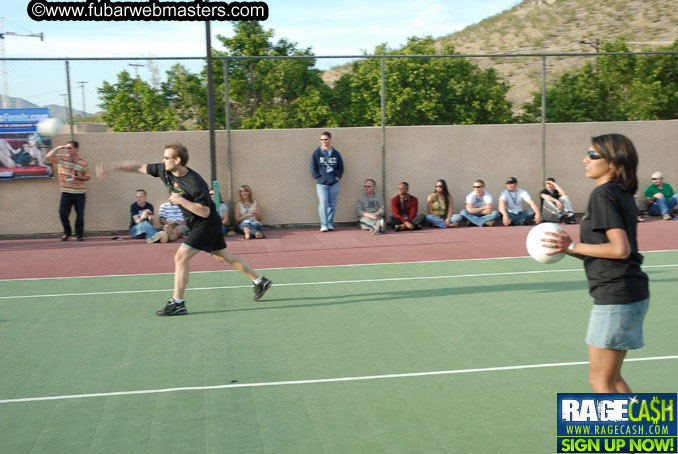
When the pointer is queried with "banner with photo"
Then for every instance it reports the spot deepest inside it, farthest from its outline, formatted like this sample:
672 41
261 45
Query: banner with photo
22 149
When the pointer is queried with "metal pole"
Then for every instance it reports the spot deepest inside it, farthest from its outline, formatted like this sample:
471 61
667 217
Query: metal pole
383 126
70 102
543 118
210 102
227 110
82 85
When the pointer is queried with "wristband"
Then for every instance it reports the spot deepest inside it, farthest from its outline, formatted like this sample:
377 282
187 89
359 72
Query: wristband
570 248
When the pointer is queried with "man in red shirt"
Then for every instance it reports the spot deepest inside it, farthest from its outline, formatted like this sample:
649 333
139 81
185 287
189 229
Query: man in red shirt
404 210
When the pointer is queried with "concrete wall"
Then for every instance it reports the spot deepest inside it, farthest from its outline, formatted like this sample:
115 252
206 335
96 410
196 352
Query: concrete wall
275 163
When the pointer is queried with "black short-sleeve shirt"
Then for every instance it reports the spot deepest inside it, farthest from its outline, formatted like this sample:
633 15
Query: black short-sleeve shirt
205 233
136 210
613 281
555 194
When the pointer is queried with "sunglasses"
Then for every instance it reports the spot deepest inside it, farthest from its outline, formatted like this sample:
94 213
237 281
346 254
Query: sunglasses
366 186
439 186
593 155
477 187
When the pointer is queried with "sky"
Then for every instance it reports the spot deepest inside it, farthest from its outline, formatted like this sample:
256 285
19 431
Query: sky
341 27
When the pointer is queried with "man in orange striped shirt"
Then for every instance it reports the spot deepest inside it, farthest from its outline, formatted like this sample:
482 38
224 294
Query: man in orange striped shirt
73 172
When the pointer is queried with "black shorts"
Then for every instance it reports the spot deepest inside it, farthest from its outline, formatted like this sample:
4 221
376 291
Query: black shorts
206 237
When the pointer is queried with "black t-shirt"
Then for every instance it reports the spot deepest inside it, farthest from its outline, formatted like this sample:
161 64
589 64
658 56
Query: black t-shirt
193 188
135 210
555 194
613 281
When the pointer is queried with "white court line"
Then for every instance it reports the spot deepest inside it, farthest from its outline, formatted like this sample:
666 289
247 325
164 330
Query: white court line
294 267
298 284
319 380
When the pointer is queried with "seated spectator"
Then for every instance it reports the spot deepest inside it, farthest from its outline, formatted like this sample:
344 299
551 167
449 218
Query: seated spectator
660 197
404 209
141 214
480 206
222 212
248 214
555 204
370 209
440 207
172 222
511 205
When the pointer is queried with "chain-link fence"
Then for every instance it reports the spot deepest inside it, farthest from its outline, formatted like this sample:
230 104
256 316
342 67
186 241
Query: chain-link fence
394 118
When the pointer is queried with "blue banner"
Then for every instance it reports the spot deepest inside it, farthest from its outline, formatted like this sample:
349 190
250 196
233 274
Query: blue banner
617 423
21 120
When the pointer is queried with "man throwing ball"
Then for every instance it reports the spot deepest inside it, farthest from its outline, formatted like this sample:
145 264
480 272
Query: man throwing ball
188 190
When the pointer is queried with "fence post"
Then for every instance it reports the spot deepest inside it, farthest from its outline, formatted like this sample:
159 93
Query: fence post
543 118
383 126
227 110
70 103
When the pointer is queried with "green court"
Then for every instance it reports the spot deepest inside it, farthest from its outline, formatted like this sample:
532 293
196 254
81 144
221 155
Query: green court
457 356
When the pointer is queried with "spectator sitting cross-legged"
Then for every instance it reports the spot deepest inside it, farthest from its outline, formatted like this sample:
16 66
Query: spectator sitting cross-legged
404 209
370 209
511 205
172 222
660 197
141 217
248 214
480 206
440 207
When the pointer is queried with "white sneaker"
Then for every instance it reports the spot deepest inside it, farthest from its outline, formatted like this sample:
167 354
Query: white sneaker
323 229
381 225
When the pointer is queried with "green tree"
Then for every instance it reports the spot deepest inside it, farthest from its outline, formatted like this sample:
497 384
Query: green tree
625 88
420 91
269 92
132 105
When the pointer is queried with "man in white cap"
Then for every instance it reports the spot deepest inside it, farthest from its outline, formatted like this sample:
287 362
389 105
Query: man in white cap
660 197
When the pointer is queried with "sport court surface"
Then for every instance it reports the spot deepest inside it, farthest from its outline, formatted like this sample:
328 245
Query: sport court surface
446 356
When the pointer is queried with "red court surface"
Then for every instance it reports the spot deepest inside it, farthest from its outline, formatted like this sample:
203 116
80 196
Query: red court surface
41 258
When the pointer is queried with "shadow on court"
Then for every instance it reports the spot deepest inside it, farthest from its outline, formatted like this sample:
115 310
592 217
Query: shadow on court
419 294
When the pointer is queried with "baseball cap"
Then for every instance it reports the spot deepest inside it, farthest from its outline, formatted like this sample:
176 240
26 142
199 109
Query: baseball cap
657 175
511 180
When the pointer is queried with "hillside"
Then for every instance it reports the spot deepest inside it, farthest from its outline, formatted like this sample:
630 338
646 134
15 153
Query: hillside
546 26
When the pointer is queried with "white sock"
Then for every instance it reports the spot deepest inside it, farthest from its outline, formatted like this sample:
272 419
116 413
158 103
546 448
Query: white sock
258 280
177 300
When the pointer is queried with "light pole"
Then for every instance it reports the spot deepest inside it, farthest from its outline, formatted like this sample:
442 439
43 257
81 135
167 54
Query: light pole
136 68
82 85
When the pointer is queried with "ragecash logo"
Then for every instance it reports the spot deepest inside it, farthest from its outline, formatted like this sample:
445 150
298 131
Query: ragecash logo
617 423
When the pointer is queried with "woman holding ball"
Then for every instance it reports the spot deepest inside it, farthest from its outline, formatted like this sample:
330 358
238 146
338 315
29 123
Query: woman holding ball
609 249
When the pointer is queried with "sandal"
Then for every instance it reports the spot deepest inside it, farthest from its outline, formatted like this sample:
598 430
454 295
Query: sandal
248 234
259 236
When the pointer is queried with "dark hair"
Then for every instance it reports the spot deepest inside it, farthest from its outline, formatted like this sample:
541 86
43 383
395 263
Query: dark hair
480 181
329 136
74 143
551 179
373 182
141 190
179 151
405 183
446 193
618 150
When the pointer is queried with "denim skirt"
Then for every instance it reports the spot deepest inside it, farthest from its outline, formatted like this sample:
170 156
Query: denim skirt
617 326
